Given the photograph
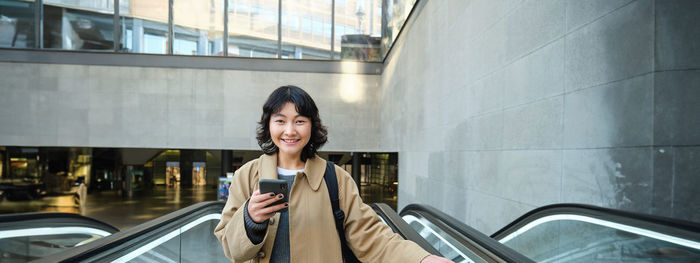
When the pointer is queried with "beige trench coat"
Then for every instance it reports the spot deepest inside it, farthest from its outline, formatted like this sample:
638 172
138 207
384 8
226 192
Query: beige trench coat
312 232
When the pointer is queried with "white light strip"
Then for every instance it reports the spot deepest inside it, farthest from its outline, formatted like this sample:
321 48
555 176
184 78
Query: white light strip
411 218
631 229
145 248
45 231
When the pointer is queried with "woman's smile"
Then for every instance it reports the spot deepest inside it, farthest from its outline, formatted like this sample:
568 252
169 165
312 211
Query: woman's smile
291 141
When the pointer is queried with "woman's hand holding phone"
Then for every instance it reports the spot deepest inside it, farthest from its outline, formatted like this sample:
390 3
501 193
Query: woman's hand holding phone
258 206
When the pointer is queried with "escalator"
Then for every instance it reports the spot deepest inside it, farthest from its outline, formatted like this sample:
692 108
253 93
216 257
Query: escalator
186 236
583 233
453 239
562 233
29 236
557 233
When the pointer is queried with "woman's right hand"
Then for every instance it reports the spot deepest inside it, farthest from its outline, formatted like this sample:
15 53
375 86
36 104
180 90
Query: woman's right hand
257 206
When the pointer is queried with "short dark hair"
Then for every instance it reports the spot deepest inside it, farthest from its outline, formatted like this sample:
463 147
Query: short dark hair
305 106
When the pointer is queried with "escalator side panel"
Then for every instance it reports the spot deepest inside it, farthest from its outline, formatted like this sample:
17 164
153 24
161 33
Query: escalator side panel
557 238
478 243
185 235
30 236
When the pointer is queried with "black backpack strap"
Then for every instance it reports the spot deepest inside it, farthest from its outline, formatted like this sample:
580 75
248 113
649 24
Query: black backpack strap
338 214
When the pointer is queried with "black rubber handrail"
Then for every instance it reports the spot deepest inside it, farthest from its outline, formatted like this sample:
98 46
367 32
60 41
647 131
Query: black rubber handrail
399 226
113 241
494 247
44 219
670 226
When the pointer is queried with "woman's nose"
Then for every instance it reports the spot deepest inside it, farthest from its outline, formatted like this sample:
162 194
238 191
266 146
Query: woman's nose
289 129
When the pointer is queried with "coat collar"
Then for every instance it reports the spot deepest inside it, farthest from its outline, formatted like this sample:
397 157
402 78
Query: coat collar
313 169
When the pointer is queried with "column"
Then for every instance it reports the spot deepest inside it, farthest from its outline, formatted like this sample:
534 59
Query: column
137 36
356 169
226 162
186 157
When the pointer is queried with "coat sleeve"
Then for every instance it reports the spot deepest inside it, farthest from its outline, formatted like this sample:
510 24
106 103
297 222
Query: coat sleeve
369 238
231 230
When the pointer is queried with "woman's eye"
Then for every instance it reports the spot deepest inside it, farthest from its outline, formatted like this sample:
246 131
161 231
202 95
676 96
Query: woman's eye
279 121
301 121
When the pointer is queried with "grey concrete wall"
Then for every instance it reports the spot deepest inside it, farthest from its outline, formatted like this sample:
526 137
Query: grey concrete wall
498 107
147 107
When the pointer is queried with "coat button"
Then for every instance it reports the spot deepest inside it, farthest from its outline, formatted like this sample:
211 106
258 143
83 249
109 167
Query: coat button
272 220
261 254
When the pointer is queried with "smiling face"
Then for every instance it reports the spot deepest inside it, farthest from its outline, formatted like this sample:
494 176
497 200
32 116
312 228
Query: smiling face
289 131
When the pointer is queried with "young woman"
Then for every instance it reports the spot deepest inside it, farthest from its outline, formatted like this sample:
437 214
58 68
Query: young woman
289 134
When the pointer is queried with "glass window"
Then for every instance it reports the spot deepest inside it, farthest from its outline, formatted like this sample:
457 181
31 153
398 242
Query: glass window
255 9
310 42
154 44
128 39
252 32
144 26
242 7
364 29
196 23
327 29
16 24
290 22
395 13
318 27
270 15
339 31
185 46
358 30
306 24
79 25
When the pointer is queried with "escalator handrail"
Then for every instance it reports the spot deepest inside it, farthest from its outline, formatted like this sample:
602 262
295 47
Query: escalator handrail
493 246
67 219
104 244
402 228
671 226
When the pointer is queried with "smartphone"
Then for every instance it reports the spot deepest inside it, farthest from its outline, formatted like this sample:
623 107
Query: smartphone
268 186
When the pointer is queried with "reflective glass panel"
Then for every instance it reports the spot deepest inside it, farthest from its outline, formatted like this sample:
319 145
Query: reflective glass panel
193 242
17 24
571 238
144 26
395 13
199 27
29 245
252 28
358 25
440 240
306 29
79 24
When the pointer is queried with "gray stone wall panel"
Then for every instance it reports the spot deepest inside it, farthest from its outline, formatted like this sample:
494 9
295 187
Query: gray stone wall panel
536 76
616 47
580 13
618 178
677 31
537 125
612 115
676 105
110 106
561 99
685 192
